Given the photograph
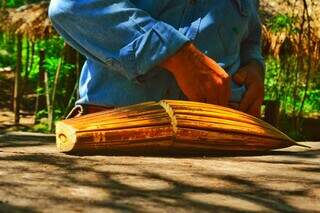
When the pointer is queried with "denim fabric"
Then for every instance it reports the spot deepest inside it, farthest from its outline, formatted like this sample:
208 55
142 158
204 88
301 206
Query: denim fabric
124 41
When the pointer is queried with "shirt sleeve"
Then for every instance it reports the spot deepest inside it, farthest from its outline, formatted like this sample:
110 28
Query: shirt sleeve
115 33
251 45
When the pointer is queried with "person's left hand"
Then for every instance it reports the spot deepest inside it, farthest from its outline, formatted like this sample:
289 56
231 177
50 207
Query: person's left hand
251 76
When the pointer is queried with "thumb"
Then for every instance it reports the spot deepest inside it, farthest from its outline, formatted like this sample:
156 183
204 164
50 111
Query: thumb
240 76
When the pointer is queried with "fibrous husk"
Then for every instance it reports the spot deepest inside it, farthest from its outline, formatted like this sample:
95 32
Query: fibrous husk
169 125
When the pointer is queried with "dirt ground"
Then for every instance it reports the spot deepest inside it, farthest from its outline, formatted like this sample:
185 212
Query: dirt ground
7 121
35 178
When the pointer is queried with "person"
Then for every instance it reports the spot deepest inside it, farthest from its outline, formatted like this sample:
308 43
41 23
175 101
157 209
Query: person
139 50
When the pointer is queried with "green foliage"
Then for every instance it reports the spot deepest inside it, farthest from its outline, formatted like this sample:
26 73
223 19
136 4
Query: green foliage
272 71
282 22
53 49
41 116
18 3
6 59
7 51
286 85
32 84
41 127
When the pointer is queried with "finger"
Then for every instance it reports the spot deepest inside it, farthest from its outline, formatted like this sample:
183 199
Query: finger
220 93
212 94
224 93
221 88
233 105
193 97
216 68
212 98
205 88
248 99
255 108
191 93
227 92
241 76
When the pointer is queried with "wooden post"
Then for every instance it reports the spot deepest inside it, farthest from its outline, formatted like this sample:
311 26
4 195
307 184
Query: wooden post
271 115
17 82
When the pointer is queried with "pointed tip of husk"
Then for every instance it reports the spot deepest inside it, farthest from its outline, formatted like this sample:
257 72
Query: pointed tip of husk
301 145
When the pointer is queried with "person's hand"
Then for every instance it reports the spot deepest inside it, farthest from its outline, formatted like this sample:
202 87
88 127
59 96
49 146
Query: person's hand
199 77
251 76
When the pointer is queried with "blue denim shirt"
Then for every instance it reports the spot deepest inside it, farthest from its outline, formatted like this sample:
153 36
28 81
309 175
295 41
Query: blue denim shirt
124 41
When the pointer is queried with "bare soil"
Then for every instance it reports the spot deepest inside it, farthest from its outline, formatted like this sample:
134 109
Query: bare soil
34 177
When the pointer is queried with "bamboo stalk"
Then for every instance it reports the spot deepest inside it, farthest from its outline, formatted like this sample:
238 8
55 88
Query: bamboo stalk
17 81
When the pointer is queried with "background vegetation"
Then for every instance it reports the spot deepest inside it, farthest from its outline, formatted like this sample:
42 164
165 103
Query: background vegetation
49 68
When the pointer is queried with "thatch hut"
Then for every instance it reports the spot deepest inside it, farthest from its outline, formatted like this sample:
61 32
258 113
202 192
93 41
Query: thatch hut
291 22
30 20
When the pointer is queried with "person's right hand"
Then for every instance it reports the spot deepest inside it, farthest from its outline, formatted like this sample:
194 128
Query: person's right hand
199 77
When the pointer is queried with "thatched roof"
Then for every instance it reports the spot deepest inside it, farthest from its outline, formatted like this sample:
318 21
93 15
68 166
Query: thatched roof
294 9
3 17
305 31
30 20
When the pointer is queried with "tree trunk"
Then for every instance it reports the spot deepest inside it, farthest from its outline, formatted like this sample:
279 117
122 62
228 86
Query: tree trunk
72 100
3 3
272 111
26 69
40 102
54 91
29 61
70 57
48 100
17 82
32 56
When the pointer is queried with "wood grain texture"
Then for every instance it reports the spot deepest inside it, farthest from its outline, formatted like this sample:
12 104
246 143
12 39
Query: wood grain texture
169 125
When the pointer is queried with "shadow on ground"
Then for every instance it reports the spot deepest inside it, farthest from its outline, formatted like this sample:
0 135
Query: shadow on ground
4 207
31 181
25 139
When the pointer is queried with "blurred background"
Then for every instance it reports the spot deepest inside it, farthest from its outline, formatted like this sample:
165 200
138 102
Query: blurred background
39 72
